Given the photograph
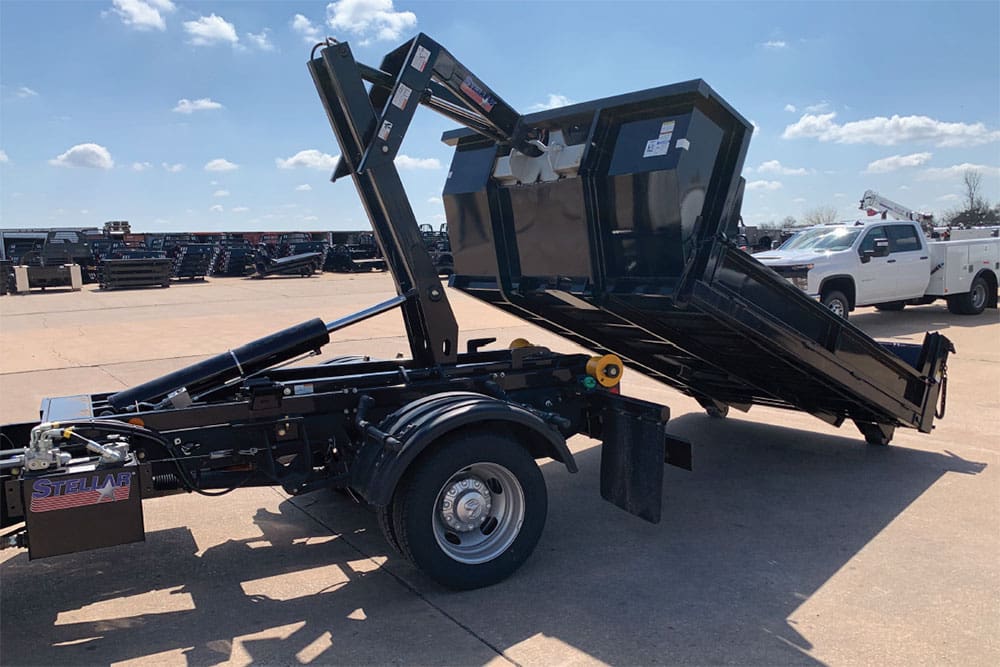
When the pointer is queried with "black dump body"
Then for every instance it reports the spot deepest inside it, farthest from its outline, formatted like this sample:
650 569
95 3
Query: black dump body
617 238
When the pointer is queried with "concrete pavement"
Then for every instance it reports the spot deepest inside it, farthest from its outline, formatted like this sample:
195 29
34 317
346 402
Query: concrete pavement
790 543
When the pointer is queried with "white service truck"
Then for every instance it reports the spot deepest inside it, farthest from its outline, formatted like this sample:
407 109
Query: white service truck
888 264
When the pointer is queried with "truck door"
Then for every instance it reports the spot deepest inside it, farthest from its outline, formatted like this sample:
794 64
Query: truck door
910 258
874 277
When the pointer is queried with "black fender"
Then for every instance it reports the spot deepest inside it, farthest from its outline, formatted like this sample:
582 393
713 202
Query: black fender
409 431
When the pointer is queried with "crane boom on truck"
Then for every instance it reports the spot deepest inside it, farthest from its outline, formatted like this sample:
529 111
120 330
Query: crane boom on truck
875 204
607 222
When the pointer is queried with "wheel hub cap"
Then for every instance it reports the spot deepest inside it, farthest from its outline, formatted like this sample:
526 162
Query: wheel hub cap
466 504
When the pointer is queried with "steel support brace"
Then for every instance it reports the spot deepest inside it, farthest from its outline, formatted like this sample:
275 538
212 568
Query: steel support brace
430 323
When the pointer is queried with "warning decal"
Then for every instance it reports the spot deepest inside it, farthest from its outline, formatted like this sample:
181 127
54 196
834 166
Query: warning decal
420 58
401 97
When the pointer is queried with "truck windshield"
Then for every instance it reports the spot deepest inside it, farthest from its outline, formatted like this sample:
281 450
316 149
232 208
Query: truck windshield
822 238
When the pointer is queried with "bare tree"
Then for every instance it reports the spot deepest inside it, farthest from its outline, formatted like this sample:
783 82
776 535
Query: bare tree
821 215
973 181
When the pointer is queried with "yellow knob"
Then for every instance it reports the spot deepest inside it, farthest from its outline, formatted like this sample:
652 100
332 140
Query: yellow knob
607 370
518 343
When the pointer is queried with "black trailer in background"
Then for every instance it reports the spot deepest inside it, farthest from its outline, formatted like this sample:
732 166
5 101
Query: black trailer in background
606 222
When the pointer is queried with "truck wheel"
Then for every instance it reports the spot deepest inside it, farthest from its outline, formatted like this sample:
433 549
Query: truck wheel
891 306
837 302
471 510
972 302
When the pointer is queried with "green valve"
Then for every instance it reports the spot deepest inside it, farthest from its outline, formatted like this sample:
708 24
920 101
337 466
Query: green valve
589 382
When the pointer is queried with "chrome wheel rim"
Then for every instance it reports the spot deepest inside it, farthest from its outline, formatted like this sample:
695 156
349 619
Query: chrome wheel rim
478 513
978 296
837 307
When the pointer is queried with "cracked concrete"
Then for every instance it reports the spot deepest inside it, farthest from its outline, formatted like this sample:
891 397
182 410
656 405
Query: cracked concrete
790 543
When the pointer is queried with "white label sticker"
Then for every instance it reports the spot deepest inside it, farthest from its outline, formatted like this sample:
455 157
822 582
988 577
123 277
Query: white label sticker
303 389
667 128
401 97
420 59
656 147
683 144
383 132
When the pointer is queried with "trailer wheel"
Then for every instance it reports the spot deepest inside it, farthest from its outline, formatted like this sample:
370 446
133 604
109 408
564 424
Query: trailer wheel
837 302
471 510
972 302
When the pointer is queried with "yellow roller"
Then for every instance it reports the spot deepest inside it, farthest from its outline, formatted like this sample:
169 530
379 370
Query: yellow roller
607 370
518 343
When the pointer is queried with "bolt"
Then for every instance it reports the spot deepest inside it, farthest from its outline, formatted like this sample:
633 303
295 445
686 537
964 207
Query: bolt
287 391
612 371
177 441
281 432
385 149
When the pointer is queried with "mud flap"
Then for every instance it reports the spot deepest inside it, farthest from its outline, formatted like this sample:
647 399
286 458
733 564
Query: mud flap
635 449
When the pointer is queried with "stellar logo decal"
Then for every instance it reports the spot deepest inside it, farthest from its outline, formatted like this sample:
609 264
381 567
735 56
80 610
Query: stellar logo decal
60 494
479 94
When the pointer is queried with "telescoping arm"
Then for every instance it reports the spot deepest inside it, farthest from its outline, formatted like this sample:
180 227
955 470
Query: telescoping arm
370 126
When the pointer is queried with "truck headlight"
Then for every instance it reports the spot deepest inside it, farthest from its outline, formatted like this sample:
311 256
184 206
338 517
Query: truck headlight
802 282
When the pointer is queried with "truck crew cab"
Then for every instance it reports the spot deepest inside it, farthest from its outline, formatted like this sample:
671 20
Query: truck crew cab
888 264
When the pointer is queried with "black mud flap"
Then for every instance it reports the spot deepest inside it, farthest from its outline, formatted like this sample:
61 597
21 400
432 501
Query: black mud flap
635 448
81 511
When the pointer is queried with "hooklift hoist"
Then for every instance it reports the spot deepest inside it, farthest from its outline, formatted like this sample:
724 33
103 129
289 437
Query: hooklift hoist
606 222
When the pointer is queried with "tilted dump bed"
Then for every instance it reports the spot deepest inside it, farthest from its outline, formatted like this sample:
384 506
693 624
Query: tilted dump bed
616 237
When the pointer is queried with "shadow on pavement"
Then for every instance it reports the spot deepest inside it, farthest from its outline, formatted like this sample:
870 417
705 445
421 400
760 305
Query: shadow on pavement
918 319
767 517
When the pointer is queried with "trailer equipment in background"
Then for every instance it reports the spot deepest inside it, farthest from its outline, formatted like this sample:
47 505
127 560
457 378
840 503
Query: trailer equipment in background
605 222
135 273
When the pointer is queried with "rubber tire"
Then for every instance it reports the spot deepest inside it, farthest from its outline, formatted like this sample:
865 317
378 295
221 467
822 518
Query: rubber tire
892 306
415 498
837 295
962 304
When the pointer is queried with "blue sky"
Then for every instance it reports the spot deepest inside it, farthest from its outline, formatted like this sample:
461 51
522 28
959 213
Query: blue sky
202 116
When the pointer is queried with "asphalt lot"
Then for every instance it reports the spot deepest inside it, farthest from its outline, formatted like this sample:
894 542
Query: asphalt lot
791 542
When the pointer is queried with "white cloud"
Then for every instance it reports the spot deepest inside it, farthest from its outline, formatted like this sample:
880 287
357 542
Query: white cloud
143 14
433 200
221 193
305 187
141 166
373 20
210 30
949 198
775 167
24 92
310 33
775 44
817 108
884 131
790 108
554 101
260 40
310 158
764 185
172 168
310 218
239 209
407 162
92 156
202 104
799 200
894 162
220 164
3 157
216 208
956 171
839 195
904 187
